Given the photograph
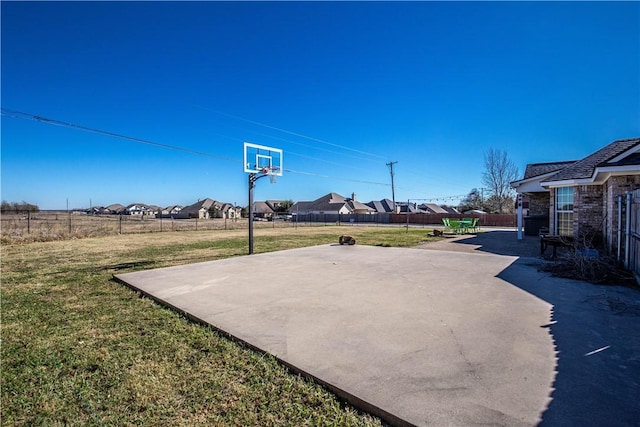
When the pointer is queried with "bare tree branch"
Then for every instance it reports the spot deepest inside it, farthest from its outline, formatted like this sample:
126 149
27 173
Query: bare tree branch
499 172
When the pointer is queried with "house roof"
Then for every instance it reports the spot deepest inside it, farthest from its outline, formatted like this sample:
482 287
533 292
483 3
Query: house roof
384 205
133 205
298 207
200 204
450 209
432 208
262 208
536 169
328 202
412 207
116 207
585 168
354 205
331 202
633 159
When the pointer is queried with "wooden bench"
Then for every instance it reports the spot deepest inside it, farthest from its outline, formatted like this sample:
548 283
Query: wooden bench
547 240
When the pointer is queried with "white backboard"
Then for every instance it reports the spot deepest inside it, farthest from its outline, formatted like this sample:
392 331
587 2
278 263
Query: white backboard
262 159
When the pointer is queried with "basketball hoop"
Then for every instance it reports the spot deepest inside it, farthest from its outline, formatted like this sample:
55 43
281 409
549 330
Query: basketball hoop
260 161
271 172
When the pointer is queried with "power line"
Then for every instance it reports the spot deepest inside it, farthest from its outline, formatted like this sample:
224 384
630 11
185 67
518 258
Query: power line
47 120
28 116
310 146
293 133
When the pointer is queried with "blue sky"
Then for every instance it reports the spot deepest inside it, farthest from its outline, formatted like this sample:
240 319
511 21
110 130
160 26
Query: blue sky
342 88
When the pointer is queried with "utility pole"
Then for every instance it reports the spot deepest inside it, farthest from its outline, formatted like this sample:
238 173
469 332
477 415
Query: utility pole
393 189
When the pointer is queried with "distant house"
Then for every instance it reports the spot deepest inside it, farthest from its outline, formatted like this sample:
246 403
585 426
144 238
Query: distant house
262 210
200 210
137 209
432 208
171 211
153 210
332 203
450 209
580 198
382 206
114 209
404 207
229 211
276 205
95 210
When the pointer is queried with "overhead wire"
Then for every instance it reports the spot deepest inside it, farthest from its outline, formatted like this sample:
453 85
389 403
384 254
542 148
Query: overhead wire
351 166
47 120
292 133
421 175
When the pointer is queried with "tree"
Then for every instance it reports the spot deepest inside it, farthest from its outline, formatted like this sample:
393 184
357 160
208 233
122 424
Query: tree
472 201
499 172
16 207
284 206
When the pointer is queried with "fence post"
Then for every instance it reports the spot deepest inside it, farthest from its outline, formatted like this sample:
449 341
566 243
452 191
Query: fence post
627 232
619 258
408 215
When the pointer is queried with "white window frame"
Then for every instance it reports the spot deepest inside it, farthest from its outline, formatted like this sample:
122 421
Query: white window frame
566 196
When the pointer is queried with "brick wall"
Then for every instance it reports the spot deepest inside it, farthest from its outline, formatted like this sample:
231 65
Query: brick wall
552 212
539 203
588 214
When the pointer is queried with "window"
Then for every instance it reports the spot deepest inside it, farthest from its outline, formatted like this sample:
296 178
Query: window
564 211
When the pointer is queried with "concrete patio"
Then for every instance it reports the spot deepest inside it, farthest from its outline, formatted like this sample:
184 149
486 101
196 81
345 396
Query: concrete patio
426 337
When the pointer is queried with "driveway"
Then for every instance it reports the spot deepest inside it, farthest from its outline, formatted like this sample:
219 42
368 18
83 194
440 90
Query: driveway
427 337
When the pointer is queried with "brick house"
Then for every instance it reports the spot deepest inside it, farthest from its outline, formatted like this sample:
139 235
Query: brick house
331 204
201 210
580 198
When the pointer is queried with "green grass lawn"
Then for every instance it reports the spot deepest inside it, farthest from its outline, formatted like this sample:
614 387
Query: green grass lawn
78 348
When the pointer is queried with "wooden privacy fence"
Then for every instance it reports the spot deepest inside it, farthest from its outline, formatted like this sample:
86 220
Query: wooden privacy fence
632 239
343 218
487 220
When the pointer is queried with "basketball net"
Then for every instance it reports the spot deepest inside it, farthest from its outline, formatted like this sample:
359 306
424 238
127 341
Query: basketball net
272 175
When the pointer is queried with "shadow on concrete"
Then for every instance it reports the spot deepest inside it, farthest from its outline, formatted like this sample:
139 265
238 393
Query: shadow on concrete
498 242
503 242
596 330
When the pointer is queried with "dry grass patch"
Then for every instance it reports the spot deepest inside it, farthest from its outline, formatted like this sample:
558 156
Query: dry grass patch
79 349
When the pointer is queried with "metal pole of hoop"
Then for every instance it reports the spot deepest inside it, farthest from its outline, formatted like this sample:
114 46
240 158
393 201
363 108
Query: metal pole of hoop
253 177
252 183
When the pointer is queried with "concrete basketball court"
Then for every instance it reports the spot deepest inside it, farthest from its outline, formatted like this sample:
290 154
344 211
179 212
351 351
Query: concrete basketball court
424 337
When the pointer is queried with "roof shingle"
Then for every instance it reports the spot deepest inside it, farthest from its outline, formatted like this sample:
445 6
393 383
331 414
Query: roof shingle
585 168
